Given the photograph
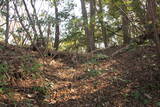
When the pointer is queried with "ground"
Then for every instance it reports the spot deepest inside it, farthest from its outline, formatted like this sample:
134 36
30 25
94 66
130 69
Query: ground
130 78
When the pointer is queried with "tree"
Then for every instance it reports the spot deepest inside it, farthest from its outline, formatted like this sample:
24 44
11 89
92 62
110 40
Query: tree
7 22
153 21
92 23
21 22
125 24
57 32
38 24
32 23
90 39
103 28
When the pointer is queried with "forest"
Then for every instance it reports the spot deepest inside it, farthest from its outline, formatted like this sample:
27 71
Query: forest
79 53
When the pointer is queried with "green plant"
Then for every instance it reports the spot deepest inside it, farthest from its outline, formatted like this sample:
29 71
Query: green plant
140 97
92 61
93 72
100 56
34 67
158 104
3 68
125 95
96 58
3 71
2 47
136 95
1 90
40 89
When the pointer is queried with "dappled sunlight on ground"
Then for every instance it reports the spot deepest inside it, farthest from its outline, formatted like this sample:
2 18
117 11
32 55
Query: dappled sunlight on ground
124 80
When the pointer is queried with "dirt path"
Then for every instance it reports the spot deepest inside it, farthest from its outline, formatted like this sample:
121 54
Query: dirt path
121 84
71 84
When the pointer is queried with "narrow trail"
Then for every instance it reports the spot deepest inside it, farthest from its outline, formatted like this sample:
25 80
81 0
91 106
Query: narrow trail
72 84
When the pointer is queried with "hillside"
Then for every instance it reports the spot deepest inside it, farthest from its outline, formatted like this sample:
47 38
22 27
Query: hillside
128 79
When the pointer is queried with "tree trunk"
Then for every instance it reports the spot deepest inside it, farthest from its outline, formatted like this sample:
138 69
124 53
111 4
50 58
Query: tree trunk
30 20
90 42
103 28
153 20
48 33
57 32
125 25
92 23
38 24
22 24
7 23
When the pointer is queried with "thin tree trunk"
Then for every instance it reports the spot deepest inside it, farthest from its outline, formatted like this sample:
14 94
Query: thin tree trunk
92 23
38 24
103 28
30 19
7 23
57 32
125 25
48 33
21 22
85 24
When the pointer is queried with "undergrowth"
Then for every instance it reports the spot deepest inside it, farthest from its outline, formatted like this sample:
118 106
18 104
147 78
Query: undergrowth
97 58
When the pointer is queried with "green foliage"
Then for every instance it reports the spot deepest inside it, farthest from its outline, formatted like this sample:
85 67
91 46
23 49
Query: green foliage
4 90
100 57
138 9
96 58
158 104
1 90
125 95
146 101
30 65
34 67
3 70
94 72
2 79
92 61
138 95
74 38
40 89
